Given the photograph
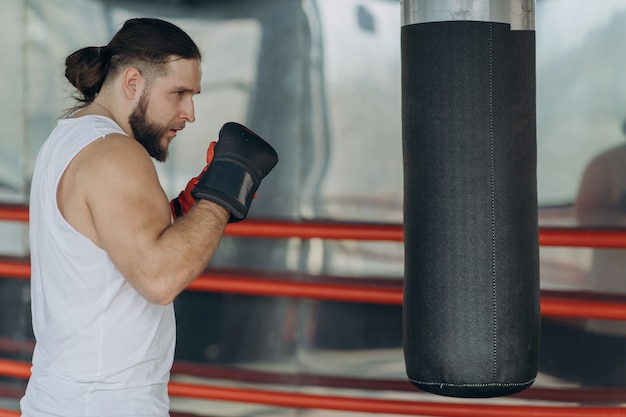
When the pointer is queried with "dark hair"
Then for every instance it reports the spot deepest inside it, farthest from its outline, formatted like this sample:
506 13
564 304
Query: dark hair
145 43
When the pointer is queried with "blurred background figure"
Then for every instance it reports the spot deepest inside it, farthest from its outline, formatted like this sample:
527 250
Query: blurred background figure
602 194
601 203
598 346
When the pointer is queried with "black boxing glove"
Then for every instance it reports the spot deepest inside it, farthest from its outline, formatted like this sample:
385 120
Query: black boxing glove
241 160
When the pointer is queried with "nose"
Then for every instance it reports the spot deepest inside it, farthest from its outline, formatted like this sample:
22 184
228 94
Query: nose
188 111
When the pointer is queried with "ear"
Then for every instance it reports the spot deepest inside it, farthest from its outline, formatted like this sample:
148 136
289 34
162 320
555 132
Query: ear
132 83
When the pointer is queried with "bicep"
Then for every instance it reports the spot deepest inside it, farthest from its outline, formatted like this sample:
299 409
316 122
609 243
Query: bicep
594 193
128 206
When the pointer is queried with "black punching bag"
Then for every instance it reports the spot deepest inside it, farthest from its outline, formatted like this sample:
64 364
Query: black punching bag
471 317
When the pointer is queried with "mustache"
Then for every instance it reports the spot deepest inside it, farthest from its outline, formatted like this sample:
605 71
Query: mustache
176 126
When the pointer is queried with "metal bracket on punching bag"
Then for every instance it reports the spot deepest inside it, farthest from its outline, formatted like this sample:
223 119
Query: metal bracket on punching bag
471 295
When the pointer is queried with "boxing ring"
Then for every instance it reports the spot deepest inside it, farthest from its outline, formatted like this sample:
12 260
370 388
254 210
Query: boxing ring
567 401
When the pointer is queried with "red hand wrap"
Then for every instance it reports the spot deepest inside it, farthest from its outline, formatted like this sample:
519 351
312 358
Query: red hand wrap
184 202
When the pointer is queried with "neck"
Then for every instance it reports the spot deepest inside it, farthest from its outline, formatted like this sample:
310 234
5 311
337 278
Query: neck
102 108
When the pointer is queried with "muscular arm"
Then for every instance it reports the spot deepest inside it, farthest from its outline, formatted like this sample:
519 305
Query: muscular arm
596 203
130 219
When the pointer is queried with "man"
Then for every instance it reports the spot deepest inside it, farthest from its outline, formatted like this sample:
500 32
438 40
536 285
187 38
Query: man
107 260
598 345
601 203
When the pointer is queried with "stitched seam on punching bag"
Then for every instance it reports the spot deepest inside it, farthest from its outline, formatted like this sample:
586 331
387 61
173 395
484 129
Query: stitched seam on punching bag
493 238
488 384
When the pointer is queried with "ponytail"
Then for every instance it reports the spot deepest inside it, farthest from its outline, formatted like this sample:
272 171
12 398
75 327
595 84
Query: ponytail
86 69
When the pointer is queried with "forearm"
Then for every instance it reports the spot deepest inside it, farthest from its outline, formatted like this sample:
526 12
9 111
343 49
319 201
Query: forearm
181 253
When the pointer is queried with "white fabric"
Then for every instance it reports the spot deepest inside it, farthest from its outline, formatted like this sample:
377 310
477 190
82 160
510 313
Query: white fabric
101 349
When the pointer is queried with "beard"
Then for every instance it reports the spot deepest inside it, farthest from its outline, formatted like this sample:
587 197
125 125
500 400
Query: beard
147 133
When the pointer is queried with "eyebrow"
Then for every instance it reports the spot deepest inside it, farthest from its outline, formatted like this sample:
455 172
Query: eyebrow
185 89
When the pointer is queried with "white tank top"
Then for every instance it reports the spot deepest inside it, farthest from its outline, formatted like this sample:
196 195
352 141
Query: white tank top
101 349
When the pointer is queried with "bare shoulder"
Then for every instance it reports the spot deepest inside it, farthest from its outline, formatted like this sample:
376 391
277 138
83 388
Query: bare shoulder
117 155
121 190
117 165
123 171
607 169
